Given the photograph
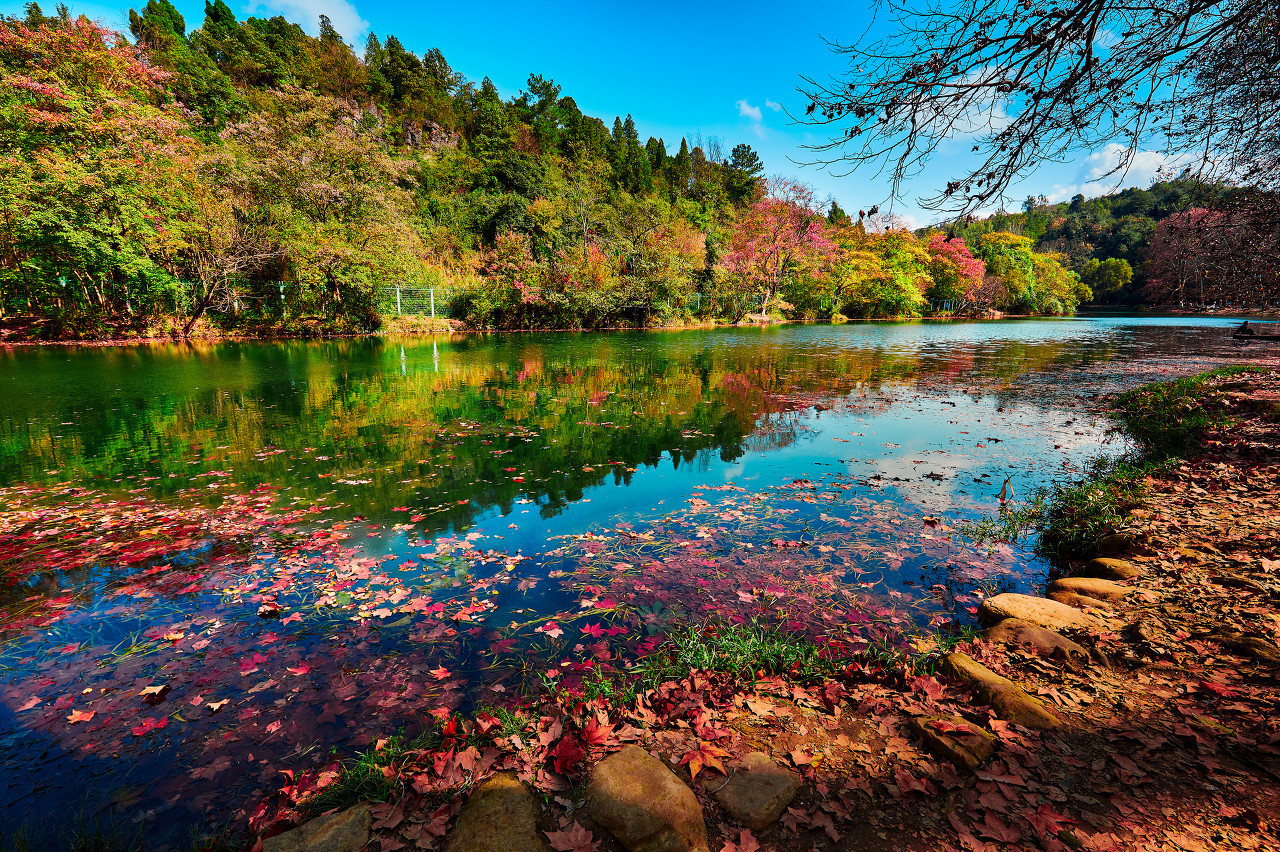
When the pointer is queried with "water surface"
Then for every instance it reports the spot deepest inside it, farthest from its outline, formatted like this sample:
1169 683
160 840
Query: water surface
384 529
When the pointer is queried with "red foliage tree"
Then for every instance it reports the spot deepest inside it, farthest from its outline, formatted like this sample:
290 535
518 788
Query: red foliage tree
779 235
1207 256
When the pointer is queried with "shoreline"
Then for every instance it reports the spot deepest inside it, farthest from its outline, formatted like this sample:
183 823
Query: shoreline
1146 676
453 328
1133 706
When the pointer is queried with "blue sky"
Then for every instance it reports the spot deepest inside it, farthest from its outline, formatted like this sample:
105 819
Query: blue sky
728 70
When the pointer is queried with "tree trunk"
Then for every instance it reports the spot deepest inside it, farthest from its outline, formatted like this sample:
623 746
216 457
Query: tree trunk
204 302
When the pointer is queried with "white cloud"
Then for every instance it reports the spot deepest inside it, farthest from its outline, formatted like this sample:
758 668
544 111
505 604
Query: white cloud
746 110
1096 177
773 105
306 13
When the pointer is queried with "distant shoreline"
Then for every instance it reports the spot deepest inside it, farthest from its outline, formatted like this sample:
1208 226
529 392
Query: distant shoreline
452 328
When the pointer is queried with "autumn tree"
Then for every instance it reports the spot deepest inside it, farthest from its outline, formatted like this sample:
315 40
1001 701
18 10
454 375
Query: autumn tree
88 169
777 236
1204 256
954 272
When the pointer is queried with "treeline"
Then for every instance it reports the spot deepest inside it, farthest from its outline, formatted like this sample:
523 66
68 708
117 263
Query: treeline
1178 242
245 173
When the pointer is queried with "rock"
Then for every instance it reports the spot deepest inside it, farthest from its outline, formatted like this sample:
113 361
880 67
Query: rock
1249 646
1038 611
1109 569
644 805
968 748
1092 587
1117 543
758 791
1009 701
345 831
1046 642
1079 601
500 816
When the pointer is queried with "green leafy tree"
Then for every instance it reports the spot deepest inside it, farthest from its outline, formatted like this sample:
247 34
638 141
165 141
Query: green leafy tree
1107 279
90 171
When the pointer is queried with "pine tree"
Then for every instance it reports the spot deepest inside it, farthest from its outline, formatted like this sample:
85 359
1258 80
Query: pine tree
682 170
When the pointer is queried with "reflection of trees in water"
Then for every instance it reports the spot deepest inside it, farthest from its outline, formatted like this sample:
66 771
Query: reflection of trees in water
418 421
775 431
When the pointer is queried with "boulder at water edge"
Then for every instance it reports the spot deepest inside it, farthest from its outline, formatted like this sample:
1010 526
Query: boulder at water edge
1009 701
500 816
1092 587
1038 611
346 831
1045 642
645 805
1108 569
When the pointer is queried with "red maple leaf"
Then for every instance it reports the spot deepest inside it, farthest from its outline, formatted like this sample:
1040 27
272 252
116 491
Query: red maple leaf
1047 822
576 839
706 755
746 843
596 735
566 754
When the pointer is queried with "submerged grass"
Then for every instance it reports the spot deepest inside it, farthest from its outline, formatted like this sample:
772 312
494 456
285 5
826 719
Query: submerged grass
1166 421
100 834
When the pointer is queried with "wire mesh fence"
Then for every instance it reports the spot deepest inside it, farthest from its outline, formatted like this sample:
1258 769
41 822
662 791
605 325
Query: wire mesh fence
401 300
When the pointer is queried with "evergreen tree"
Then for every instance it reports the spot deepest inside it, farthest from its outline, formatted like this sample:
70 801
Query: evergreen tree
657 151
745 171
375 63
198 84
682 170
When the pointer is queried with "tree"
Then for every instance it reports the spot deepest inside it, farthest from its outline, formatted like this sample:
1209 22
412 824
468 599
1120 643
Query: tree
1108 279
681 170
197 82
776 237
90 169
1039 81
744 173
1206 256
956 273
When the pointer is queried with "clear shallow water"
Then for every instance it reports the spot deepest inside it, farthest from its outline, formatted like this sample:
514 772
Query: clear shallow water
501 509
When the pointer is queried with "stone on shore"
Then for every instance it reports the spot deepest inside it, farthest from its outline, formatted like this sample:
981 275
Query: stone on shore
1254 647
645 805
1079 601
758 791
1035 610
500 816
1045 642
955 739
1009 700
1092 587
345 831
1109 569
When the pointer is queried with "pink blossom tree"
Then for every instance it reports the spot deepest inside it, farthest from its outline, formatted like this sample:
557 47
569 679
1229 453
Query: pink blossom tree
780 235
956 273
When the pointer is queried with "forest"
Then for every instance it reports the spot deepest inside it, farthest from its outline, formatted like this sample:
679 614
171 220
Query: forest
1179 242
244 176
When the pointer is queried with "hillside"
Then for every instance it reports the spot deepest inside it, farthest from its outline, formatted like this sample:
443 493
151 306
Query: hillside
246 177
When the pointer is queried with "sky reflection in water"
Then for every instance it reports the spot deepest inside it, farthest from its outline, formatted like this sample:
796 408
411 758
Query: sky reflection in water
497 510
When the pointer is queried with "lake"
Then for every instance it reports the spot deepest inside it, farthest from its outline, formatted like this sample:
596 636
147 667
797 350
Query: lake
224 560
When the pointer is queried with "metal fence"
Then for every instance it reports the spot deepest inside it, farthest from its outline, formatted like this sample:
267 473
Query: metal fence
403 300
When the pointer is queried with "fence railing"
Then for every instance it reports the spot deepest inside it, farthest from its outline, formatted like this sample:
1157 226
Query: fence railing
403 300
